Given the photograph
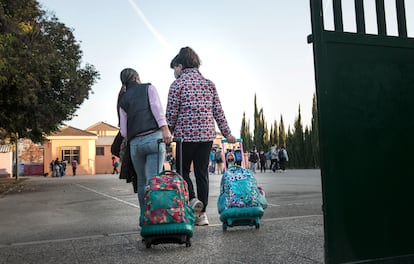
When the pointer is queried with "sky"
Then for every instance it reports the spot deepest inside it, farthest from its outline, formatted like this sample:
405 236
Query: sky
246 47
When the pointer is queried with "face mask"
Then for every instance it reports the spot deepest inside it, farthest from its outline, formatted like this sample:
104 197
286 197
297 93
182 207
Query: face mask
176 76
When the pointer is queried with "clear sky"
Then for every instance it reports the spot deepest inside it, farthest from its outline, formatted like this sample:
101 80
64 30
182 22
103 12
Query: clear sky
247 47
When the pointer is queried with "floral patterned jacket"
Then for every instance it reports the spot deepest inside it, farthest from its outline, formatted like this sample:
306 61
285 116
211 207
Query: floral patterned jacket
193 106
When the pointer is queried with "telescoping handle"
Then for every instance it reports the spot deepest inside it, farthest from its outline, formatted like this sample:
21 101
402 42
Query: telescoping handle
179 141
224 140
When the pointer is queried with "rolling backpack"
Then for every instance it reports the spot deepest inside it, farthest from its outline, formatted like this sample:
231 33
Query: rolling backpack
241 201
166 200
167 216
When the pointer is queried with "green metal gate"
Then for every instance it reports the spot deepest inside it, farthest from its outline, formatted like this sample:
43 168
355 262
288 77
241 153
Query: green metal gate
365 92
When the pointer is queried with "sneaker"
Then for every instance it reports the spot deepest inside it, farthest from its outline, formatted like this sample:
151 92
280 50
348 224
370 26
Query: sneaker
202 220
197 206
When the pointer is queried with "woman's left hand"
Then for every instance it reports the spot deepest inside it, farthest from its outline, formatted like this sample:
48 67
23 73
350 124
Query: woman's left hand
231 139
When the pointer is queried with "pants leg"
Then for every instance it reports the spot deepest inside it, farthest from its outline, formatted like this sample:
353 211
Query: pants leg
197 153
145 157
183 166
200 161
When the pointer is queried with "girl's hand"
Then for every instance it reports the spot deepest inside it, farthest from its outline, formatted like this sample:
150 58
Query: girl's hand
166 135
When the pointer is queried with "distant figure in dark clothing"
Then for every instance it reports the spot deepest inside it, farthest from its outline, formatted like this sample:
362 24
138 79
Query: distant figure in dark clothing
115 165
283 157
262 159
74 167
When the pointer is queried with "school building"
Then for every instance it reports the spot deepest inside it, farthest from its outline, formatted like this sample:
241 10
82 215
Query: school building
91 148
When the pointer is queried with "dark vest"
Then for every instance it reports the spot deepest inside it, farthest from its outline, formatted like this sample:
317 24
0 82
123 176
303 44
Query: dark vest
135 103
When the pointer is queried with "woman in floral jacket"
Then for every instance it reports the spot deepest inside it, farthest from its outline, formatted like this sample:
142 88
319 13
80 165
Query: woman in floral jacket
193 108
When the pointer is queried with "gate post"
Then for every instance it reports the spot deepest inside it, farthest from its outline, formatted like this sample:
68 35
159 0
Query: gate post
365 92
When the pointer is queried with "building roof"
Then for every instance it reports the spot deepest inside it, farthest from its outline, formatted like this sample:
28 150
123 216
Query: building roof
72 132
5 148
105 141
102 126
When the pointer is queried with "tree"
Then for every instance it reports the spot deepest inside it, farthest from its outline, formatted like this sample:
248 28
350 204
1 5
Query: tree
282 133
256 129
30 152
299 141
314 134
264 144
274 134
297 144
42 81
307 155
245 133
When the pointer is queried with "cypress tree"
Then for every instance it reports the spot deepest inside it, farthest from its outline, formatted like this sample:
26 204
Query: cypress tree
245 133
298 148
275 133
256 130
282 133
315 134
308 155
261 131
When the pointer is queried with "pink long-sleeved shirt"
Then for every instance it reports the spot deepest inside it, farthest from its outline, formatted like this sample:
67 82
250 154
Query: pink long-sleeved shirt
156 108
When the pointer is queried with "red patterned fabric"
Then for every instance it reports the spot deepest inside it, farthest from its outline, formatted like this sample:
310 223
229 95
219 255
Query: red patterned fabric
166 198
193 106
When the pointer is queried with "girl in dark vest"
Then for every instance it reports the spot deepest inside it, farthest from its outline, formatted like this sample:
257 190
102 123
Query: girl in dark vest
142 121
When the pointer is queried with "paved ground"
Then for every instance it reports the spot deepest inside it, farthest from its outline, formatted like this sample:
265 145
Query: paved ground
10 185
93 219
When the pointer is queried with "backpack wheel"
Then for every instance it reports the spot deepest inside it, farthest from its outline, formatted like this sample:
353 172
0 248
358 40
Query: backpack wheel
224 226
188 242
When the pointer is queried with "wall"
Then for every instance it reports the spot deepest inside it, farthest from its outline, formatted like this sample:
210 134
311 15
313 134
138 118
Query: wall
104 163
87 154
6 161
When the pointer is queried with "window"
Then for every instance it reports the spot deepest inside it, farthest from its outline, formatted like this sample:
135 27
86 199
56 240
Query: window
100 151
71 153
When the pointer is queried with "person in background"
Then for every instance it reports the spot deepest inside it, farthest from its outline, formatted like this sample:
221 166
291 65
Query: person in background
283 158
74 164
219 161
193 107
142 121
253 159
212 167
56 168
274 158
262 159
229 158
63 167
115 165
238 155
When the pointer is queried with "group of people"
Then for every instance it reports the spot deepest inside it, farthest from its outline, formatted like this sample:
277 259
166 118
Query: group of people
257 159
58 168
277 156
193 108
232 156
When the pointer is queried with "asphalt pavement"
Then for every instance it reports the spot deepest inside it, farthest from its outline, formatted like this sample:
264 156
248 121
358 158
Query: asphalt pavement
94 219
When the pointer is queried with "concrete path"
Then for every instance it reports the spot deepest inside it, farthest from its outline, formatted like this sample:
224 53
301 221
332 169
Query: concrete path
93 219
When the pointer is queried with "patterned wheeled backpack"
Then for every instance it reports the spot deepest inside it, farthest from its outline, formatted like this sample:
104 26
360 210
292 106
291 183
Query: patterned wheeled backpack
166 200
238 189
